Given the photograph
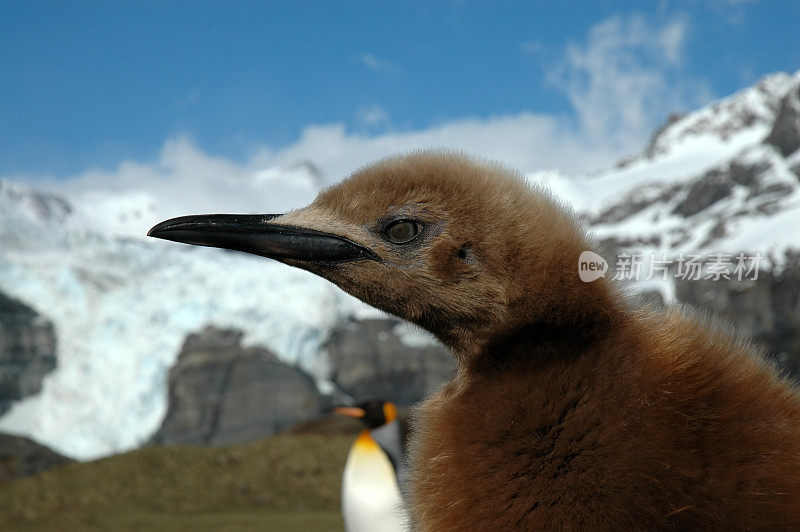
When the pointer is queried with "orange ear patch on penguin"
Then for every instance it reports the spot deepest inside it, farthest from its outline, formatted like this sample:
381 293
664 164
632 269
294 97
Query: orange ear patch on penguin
389 412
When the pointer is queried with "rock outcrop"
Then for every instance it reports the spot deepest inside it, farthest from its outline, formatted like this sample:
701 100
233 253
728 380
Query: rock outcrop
222 393
369 360
785 133
27 351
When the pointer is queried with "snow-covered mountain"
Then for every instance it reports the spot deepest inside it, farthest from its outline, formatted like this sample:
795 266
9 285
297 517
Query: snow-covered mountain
725 178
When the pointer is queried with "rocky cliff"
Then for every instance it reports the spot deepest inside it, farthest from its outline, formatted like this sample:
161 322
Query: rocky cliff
222 393
369 360
27 351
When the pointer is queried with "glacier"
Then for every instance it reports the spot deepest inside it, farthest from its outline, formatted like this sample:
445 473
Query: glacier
122 305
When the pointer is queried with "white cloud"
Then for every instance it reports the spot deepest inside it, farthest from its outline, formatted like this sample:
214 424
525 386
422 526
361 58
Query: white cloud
376 64
374 116
526 141
185 179
671 38
626 78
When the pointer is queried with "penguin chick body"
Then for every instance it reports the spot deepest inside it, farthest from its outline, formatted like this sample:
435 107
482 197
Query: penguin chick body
371 499
568 410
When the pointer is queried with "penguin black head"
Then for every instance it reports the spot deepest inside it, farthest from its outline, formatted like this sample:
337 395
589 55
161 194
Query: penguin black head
463 248
373 414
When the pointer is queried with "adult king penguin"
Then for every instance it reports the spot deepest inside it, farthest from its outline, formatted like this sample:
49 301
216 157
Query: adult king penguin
568 410
371 500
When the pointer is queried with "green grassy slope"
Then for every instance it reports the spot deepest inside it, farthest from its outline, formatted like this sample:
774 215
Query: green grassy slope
288 482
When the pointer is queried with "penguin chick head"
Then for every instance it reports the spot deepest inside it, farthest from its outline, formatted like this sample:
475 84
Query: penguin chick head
464 248
374 413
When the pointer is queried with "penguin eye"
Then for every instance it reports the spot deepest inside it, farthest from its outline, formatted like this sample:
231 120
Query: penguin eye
402 231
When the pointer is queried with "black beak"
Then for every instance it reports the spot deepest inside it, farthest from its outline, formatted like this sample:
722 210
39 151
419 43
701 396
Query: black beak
253 233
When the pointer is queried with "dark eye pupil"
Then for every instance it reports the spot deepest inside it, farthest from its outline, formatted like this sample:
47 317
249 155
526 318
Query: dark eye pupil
402 232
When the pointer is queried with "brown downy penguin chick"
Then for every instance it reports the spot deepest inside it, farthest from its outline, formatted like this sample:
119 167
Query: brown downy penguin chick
567 410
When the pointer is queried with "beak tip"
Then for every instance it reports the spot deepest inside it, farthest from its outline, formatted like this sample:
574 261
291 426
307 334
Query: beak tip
156 231
162 229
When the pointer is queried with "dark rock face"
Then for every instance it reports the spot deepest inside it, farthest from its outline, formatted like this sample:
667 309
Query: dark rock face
369 361
785 134
709 189
766 309
652 145
635 202
221 393
27 351
21 457
746 175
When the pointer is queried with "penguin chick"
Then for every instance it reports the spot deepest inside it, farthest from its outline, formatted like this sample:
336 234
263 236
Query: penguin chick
371 499
568 410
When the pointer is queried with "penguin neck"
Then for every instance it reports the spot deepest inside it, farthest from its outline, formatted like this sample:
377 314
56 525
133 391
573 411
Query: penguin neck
550 333
388 437
536 345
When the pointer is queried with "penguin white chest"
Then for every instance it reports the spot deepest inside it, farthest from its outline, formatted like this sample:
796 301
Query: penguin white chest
371 499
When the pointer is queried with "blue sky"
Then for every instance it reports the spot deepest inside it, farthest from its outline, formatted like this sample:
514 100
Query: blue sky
89 85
